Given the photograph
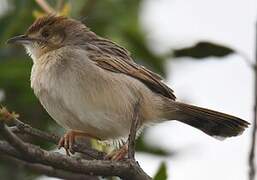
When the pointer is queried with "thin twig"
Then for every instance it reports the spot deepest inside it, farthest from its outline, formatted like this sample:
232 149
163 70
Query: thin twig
59 5
16 142
252 168
45 6
246 59
23 128
133 132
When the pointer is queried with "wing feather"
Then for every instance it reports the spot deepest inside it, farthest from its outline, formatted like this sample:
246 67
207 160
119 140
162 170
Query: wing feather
119 61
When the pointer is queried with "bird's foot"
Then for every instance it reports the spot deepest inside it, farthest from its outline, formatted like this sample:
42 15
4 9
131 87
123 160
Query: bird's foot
118 154
68 140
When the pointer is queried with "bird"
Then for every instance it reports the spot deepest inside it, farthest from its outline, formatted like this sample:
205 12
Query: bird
90 86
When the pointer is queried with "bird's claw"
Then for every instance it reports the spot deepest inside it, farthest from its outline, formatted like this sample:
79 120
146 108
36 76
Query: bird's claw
118 155
67 142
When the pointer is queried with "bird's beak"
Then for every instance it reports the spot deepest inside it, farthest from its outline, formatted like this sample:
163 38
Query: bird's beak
22 39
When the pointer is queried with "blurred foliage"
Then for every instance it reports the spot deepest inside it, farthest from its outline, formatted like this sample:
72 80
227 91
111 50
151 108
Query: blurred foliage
143 146
7 172
116 20
161 173
203 50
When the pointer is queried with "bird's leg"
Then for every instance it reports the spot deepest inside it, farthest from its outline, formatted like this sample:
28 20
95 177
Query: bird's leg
69 138
118 154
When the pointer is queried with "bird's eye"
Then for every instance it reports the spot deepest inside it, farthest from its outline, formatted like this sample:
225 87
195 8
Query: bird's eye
45 34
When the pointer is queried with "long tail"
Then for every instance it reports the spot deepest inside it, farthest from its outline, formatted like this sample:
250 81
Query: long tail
211 122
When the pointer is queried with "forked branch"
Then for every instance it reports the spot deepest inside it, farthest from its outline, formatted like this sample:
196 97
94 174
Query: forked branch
54 163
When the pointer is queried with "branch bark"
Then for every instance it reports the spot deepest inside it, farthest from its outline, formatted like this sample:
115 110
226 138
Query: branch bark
53 138
46 7
29 153
251 161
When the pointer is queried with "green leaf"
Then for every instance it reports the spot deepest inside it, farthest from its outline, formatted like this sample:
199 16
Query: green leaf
161 173
203 50
142 146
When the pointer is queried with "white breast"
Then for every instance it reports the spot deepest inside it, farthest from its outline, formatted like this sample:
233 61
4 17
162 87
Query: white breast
81 96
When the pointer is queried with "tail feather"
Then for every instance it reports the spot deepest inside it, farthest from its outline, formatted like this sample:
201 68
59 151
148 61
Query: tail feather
211 122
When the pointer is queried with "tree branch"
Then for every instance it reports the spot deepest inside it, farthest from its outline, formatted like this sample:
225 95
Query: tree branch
251 161
127 169
51 137
46 7
59 5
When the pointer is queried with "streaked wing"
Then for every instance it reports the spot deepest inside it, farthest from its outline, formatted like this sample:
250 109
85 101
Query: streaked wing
112 57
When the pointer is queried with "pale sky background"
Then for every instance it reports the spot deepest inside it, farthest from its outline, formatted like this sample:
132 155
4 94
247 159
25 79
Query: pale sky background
221 84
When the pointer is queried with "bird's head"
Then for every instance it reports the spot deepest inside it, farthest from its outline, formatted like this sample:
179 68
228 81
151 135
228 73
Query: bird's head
52 32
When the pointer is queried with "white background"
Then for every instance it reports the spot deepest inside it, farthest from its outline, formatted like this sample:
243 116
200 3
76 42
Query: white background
221 84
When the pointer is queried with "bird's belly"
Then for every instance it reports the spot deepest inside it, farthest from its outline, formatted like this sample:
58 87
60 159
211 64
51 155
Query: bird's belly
99 120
